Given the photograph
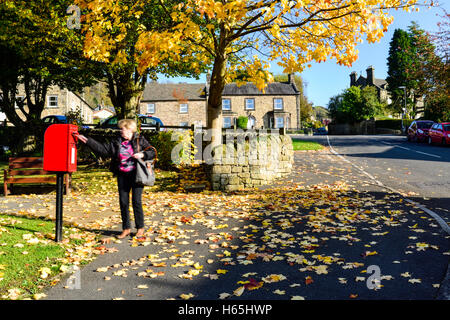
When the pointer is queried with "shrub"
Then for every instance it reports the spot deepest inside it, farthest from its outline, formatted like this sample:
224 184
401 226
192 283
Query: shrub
242 122
162 141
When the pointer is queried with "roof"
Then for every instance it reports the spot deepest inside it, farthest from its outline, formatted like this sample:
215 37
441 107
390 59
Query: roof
173 92
249 89
197 91
380 83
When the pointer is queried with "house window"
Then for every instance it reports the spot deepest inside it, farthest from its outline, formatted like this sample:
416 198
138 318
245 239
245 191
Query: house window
150 108
52 102
183 108
278 104
227 121
249 104
184 124
279 122
226 104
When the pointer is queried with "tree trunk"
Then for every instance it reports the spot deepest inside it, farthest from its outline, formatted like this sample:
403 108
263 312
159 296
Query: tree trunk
125 91
215 121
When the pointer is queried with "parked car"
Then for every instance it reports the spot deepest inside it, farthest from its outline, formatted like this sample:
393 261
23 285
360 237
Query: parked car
418 130
55 119
146 122
440 133
321 131
48 120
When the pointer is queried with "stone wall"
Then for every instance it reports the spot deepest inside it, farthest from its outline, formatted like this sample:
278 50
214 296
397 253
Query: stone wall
251 160
364 127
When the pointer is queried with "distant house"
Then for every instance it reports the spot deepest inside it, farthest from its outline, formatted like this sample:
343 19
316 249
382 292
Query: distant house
380 85
179 104
60 101
102 113
186 104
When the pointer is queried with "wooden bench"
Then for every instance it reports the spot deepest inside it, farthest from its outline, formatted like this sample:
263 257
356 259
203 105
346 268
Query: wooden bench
29 170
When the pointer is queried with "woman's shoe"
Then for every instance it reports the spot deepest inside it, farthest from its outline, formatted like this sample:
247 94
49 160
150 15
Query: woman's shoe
140 233
124 234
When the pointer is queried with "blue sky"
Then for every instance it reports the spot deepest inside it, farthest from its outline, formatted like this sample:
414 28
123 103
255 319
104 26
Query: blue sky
327 79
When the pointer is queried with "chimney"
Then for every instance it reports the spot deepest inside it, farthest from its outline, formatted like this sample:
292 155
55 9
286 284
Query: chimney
353 79
291 78
370 77
208 83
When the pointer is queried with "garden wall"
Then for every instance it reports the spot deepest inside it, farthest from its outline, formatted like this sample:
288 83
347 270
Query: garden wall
249 161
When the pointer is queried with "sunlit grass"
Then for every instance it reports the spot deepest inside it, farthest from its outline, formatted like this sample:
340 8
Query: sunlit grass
306 145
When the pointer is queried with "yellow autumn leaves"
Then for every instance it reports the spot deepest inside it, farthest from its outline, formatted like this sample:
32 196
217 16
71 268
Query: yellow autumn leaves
293 33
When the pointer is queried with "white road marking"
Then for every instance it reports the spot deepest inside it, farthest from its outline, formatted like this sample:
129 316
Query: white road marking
425 153
428 154
433 214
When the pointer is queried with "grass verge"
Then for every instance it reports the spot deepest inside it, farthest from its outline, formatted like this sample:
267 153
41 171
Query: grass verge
306 145
30 260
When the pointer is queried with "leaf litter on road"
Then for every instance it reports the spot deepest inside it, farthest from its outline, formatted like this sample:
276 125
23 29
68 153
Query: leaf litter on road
290 225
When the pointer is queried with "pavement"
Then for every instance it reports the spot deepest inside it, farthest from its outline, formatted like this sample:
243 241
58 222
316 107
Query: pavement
328 231
325 232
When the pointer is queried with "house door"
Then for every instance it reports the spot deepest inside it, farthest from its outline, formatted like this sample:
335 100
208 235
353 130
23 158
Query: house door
251 122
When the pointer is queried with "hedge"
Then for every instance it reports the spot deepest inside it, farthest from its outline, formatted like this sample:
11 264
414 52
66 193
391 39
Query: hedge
395 124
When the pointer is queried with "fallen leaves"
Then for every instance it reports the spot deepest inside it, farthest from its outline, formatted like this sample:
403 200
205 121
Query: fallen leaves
289 227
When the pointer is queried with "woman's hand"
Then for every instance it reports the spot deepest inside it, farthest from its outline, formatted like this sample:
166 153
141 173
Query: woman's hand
138 155
80 137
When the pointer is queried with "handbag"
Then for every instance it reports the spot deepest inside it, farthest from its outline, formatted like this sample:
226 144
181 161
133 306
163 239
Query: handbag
145 173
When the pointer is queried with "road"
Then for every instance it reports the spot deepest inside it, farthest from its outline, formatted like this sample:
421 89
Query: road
419 170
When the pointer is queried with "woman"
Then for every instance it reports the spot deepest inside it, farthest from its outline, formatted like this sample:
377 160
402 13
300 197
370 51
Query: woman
123 151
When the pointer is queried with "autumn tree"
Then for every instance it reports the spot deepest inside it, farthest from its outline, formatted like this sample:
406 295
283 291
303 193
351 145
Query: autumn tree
112 30
246 34
37 51
235 35
437 100
419 61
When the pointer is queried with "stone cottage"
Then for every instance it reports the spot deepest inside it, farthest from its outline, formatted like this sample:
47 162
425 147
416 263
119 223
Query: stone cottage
184 104
59 101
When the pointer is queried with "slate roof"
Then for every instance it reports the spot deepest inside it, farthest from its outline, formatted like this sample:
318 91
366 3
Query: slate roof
380 83
173 92
274 88
197 91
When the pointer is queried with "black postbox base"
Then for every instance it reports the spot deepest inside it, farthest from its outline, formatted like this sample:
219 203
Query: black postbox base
59 206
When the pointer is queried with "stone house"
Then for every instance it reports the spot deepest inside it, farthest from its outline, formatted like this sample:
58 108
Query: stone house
59 101
185 104
180 104
380 85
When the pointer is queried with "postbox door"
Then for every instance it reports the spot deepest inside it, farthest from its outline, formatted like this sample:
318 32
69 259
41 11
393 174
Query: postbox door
72 149
60 152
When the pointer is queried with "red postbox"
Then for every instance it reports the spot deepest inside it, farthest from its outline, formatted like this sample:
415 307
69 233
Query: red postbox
60 156
60 149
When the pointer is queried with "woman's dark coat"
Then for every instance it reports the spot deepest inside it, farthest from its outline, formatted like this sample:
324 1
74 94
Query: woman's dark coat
111 149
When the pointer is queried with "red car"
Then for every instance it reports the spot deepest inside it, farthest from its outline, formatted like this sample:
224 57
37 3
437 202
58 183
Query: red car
440 133
418 130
